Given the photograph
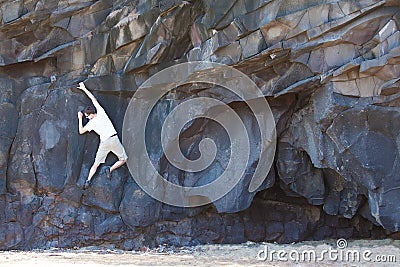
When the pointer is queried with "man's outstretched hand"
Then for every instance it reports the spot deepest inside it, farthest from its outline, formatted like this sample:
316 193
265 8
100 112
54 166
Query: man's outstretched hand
81 86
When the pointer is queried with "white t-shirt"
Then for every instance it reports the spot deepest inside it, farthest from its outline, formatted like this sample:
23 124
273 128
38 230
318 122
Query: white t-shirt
101 124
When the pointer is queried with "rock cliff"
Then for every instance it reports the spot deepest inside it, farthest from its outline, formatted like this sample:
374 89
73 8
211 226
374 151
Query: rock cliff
329 70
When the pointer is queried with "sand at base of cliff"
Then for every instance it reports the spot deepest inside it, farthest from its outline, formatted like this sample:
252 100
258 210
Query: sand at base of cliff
329 253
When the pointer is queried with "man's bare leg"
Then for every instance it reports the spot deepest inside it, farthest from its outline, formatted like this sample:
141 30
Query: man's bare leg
117 164
92 171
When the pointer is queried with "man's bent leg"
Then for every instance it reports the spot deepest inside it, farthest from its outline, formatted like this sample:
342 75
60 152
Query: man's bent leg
119 151
92 171
101 156
117 164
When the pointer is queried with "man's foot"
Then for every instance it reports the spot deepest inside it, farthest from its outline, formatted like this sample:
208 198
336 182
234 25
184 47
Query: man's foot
86 184
108 173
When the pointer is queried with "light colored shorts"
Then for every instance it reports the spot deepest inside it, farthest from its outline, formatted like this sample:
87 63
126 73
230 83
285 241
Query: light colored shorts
113 145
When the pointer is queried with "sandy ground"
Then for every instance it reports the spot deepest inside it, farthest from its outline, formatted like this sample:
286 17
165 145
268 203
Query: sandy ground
327 253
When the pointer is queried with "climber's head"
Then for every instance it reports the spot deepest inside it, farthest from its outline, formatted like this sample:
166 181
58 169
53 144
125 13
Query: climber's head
90 112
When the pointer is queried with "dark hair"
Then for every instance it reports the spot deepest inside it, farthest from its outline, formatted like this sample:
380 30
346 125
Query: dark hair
89 110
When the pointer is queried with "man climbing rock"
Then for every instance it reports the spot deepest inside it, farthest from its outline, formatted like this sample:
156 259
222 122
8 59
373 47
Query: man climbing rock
109 141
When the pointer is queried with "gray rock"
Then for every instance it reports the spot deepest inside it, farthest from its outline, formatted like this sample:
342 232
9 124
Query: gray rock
138 209
12 11
106 193
298 173
11 235
329 69
112 224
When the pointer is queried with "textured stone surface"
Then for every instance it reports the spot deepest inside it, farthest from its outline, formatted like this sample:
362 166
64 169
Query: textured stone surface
329 69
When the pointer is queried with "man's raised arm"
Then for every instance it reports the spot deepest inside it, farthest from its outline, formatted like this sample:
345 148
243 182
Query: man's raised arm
87 92
81 129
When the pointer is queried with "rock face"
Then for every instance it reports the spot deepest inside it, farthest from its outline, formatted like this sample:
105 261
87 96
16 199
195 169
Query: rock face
329 70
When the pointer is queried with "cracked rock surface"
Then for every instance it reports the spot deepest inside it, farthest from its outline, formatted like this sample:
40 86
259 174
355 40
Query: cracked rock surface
330 71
